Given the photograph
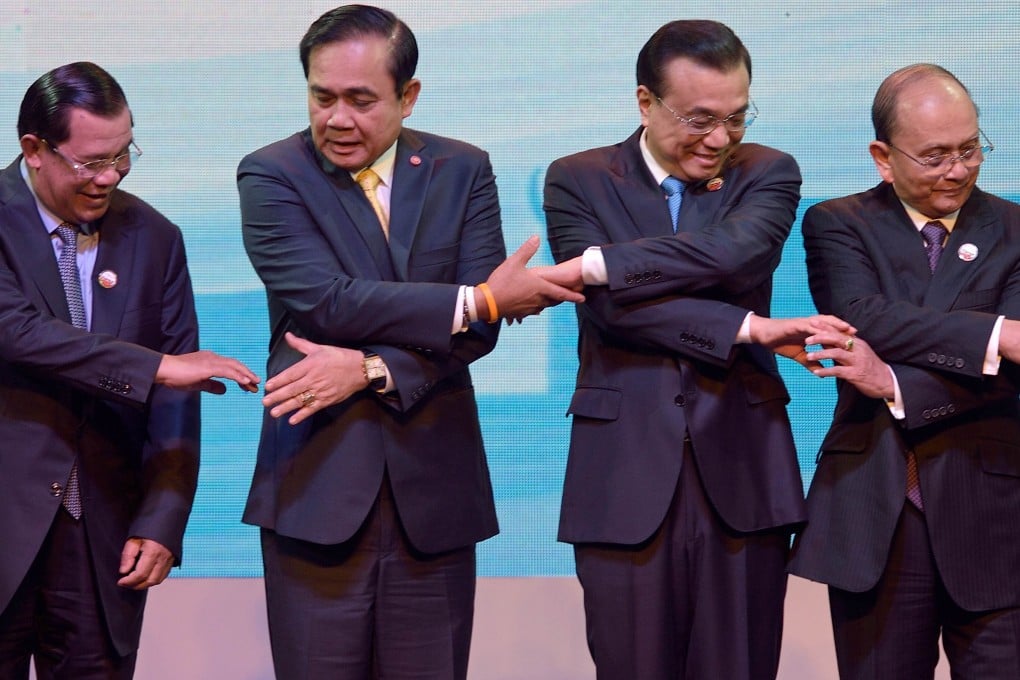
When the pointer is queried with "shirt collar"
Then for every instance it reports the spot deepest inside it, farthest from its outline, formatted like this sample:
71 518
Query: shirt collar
653 165
383 166
49 220
919 220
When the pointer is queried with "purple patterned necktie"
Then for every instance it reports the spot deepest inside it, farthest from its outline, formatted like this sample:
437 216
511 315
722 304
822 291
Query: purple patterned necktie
934 234
71 278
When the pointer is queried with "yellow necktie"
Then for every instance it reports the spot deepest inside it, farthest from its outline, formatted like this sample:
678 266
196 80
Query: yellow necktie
368 181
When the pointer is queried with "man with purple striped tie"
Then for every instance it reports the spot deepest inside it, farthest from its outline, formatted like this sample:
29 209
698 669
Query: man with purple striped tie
912 513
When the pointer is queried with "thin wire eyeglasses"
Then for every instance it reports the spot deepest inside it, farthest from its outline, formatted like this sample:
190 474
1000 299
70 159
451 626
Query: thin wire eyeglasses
90 170
702 125
971 157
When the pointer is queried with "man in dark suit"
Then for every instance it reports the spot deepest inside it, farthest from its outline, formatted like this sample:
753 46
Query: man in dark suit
914 504
682 485
373 493
100 457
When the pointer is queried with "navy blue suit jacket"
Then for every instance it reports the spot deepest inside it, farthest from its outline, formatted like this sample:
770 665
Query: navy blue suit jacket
658 359
867 264
67 393
331 277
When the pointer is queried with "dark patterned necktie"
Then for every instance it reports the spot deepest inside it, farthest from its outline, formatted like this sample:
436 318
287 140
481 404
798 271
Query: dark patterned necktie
934 234
71 278
674 189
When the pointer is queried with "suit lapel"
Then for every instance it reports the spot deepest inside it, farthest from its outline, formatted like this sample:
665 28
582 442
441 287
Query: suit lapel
637 191
412 171
117 243
354 228
976 227
31 247
900 243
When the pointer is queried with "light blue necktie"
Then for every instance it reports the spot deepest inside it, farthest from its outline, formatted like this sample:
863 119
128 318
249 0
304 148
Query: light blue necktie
674 189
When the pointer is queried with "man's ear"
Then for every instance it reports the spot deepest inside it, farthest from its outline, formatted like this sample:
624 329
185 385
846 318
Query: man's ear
880 154
31 147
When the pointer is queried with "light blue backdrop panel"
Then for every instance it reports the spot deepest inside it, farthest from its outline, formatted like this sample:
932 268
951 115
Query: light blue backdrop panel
529 82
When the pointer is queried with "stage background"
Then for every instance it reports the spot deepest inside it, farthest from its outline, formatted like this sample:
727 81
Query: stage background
528 81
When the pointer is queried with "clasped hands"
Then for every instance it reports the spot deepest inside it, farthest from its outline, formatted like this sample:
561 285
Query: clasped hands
853 359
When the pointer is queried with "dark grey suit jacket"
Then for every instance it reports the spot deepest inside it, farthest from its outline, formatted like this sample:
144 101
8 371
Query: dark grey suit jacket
67 393
316 243
867 264
658 360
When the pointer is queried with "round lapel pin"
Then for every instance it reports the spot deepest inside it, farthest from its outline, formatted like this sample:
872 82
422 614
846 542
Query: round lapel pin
414 160
714 184
107 278
967 252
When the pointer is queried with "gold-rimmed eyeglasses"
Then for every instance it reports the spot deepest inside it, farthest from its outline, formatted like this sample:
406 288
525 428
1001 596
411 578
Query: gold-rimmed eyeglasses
91 169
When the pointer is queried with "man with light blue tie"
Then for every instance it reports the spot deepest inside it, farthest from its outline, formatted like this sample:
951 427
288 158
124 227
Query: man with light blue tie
682 484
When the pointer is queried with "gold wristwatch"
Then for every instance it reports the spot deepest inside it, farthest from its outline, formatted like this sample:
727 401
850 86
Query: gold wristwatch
375 370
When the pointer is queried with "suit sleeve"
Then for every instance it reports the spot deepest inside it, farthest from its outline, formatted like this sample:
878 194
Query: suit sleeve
481 250
407 323
844 282
37 341
692 324
170 455
730 256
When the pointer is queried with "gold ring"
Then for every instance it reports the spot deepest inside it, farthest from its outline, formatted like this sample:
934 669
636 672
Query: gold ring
849 345
307 398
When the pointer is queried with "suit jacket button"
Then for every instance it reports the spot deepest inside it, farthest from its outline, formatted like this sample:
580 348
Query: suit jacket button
941 359
680 400
710 344
56 489
959 362
951 408
926 414
932 358
628 278
943 411
657 275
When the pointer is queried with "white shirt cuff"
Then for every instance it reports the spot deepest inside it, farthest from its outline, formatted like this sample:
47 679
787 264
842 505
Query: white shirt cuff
992 358
896 405
593 267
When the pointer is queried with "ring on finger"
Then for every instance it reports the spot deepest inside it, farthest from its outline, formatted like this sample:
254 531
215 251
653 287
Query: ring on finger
307 398
849 345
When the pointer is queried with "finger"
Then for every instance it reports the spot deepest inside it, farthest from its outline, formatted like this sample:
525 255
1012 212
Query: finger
129 555
286 377
526 251
300 344
561 294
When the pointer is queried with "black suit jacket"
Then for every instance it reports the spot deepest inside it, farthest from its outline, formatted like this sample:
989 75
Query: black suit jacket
658 360
331 277
66 393
867 264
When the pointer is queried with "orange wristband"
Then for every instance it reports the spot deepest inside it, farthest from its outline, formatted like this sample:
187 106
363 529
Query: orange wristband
490 301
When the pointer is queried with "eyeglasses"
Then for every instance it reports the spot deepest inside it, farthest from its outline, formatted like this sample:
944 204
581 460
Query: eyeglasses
121 163
971 157
702 125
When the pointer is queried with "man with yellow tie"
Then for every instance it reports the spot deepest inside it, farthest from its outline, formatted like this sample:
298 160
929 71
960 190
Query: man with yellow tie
373 493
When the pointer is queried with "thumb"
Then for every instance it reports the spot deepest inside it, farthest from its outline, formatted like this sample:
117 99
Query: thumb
526 251
300 344
129 555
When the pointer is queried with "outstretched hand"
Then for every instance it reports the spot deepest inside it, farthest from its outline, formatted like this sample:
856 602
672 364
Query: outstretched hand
199 370
519 292
787 337
327 375
853 361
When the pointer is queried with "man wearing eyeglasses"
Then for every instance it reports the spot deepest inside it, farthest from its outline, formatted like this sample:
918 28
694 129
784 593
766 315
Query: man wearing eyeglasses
914 505
99 459
682 484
